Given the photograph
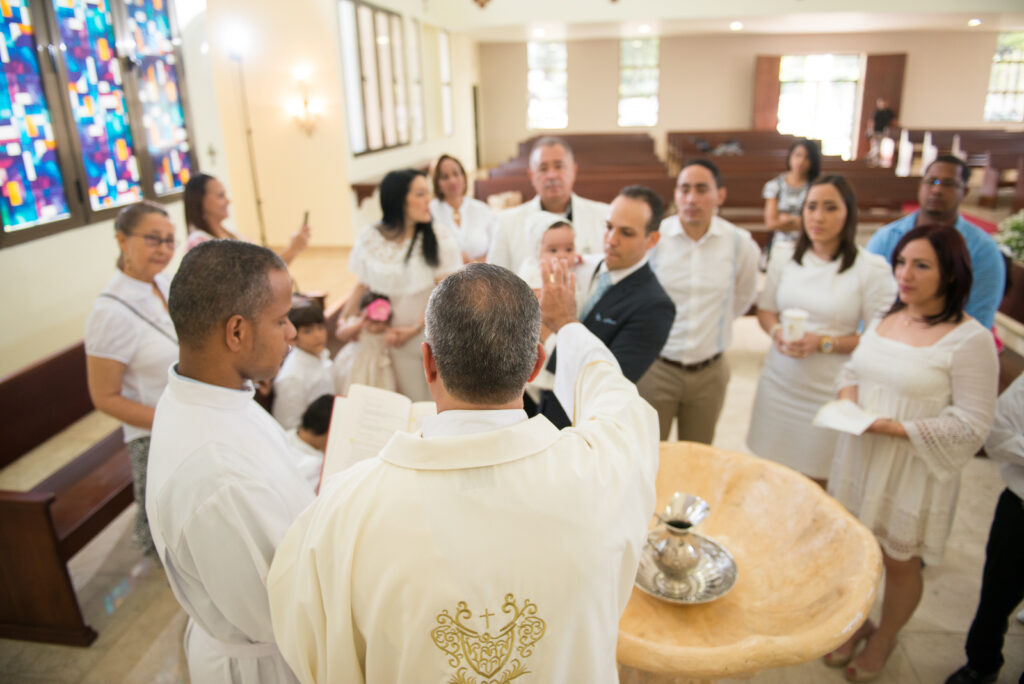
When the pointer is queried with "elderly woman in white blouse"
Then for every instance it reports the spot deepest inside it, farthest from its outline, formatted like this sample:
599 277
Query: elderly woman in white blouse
468 220
130 340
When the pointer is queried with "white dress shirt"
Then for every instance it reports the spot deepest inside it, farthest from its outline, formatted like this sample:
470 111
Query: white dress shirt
476 228
222 490
302 379
712 281
494 545
1006 440
513 242
147 349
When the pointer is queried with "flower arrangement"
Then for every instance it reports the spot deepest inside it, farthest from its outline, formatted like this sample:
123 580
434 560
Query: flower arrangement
1011 235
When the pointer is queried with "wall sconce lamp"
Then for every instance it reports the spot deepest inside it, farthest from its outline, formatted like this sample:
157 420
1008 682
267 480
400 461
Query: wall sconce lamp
304 109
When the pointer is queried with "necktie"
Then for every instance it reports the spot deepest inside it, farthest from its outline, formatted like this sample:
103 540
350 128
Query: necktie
604 281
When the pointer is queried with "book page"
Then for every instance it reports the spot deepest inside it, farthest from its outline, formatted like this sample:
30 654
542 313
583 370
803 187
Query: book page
845 416
361 424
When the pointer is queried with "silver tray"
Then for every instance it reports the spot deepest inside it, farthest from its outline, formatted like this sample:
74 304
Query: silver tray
711 579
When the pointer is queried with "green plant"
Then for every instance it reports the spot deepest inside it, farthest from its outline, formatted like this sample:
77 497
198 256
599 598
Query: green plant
1011 234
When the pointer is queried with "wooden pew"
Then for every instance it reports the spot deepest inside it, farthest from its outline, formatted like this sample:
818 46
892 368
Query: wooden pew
41 529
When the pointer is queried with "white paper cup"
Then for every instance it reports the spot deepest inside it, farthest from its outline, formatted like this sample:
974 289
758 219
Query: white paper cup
793 323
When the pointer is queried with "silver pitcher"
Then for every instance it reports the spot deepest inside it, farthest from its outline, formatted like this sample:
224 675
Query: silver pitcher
676 551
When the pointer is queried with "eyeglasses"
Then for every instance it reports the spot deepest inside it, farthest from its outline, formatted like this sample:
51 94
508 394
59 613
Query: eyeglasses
944 183
155 241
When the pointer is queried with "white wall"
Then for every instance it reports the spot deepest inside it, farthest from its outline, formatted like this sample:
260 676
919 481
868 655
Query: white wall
707 81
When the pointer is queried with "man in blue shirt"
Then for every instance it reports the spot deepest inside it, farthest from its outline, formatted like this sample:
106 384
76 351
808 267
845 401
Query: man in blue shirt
941 191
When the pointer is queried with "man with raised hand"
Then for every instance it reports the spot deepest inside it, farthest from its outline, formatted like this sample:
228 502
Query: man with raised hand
489 545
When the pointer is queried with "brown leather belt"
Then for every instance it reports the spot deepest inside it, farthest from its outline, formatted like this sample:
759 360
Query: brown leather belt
692 367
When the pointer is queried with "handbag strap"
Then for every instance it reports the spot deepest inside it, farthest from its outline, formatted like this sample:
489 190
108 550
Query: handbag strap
137 313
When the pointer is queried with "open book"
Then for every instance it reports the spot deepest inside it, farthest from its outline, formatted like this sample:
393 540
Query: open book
363 422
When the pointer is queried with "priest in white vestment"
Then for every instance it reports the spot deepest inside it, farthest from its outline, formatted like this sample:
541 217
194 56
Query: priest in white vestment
490 546
222 486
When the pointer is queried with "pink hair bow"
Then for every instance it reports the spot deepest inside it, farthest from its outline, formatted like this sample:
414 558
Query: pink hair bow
379 310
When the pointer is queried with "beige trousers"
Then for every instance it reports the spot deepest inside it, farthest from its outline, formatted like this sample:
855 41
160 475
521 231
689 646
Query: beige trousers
693 398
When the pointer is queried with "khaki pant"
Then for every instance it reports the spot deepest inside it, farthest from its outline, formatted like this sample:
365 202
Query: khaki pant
693 398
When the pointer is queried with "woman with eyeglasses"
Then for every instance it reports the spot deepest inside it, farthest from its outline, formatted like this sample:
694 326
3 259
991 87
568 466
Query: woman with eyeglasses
130 340
206 208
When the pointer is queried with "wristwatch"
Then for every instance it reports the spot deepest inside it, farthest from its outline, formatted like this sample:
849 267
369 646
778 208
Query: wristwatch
827 345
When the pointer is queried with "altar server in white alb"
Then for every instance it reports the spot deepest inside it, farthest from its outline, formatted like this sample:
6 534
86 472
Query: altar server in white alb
490 545
223 488
552 173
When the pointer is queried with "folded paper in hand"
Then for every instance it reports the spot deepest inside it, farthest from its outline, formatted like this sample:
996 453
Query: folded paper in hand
845 416
363 422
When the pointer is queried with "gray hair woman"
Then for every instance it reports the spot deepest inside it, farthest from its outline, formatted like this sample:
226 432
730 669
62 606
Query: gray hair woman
130 341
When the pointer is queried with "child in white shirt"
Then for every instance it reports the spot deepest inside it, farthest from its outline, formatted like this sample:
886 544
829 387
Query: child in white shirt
308 441
306 371
365 359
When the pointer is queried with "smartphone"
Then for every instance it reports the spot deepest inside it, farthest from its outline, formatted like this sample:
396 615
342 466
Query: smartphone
305 218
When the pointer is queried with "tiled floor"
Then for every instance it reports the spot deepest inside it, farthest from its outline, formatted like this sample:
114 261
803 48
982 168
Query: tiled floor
127 600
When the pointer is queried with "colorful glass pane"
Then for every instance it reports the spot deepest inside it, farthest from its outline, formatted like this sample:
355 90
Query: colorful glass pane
162 113
97 102
31 185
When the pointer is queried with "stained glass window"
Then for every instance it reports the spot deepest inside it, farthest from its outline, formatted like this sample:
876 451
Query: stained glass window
97 102
31 184
159 94
1005 100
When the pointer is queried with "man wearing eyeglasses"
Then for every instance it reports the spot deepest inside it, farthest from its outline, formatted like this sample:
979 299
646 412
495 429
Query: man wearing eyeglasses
940 193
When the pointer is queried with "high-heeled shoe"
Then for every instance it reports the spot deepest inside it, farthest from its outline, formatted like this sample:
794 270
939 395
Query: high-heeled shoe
837 659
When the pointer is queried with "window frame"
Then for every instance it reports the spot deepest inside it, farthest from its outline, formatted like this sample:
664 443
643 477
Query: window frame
1019 73
374 9
529 94
54 78
623 69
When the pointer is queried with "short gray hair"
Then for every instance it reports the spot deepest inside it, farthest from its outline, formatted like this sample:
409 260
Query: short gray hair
219 279
483 326
550 141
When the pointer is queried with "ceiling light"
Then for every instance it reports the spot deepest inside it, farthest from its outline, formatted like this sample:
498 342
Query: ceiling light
644 28
736 26
974 22
538 33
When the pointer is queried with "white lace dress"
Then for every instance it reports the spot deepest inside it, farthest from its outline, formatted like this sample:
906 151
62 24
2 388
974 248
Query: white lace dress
381 266
944 394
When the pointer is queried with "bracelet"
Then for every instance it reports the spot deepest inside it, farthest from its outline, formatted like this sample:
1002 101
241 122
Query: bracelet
774 329
827 344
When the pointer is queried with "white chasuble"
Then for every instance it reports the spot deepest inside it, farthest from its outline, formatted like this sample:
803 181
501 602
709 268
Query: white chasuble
494 549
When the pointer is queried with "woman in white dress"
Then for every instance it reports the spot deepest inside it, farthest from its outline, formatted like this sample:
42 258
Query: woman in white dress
930 372
841 286
206 208
130 340
468 220
404 257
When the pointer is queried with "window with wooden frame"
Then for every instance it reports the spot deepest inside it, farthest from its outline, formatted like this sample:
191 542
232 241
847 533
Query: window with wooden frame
1005 100
92 112
375 68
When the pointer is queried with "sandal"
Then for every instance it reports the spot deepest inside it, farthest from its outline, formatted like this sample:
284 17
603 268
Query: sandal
839 658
